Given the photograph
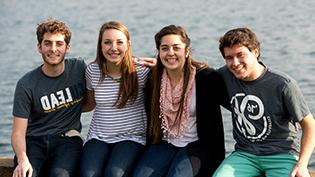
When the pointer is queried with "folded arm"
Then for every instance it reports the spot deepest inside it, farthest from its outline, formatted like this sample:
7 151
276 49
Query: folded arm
89 101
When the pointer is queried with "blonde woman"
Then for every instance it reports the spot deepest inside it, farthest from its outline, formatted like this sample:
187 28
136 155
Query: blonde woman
115 84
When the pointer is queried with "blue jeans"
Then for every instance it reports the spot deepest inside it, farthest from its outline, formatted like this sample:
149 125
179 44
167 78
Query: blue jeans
54 155
109 159
164 159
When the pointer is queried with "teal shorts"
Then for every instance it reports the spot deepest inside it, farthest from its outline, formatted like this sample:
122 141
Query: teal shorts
241 164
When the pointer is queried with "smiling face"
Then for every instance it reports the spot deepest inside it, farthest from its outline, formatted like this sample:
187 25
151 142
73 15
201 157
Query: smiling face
114 46
53 49
173 52
242 62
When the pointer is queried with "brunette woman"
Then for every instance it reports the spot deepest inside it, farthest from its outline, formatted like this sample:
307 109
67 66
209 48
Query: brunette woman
185 133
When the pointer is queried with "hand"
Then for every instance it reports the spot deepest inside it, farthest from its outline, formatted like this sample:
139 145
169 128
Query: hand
147 61
300 171
23 168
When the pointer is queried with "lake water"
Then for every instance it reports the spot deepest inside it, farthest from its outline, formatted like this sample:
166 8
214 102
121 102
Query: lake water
285 29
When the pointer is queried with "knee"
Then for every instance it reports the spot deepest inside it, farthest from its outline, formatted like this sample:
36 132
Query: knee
60 172
88 174
115 172
143 171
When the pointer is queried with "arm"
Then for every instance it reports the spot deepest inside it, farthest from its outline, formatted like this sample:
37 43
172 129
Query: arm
19 146
89 102
147 61
223 90
307 146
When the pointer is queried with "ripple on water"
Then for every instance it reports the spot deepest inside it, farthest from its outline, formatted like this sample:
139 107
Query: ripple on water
284 29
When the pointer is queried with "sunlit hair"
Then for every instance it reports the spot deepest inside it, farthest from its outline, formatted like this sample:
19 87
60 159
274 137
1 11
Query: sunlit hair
155 132
53 26
128 89
239 36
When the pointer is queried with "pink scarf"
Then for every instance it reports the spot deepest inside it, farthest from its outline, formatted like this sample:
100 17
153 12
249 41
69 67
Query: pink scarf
169 105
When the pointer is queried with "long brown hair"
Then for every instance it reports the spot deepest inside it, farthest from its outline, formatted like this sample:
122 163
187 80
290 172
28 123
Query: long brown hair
155 132
128 89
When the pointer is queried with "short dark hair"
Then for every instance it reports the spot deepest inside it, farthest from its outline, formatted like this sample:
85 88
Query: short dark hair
53 26
239 36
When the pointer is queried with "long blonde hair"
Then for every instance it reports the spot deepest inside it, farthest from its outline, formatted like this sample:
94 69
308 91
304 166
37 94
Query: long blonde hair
128 90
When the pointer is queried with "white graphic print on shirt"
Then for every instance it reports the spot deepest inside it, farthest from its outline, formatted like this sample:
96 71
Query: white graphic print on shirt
248 110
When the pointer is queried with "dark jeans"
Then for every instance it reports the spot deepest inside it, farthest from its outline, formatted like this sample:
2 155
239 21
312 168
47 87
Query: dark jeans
164 159
109 159
54 156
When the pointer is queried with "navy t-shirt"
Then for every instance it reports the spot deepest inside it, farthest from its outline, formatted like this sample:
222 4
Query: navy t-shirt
264 112
52 105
